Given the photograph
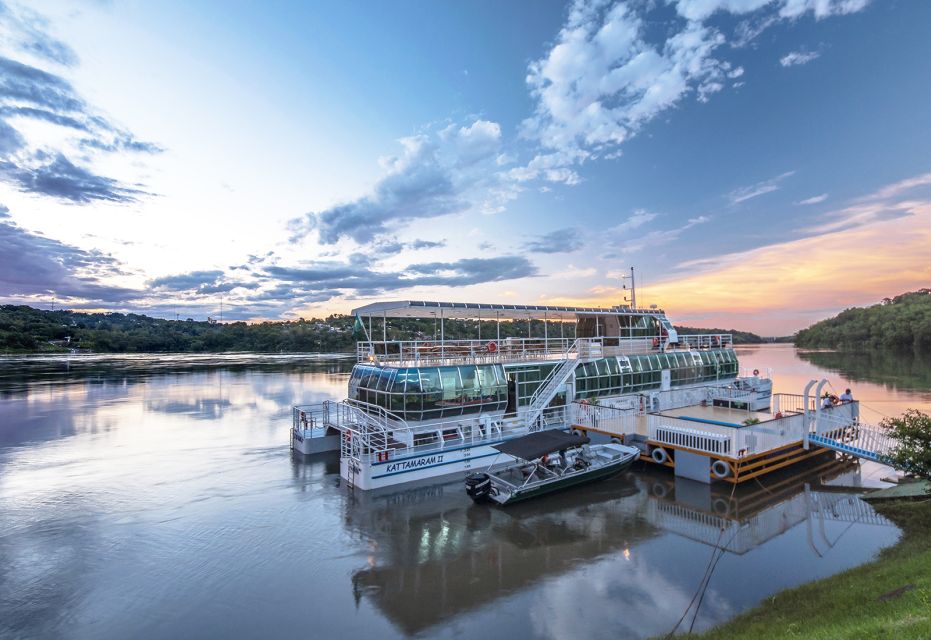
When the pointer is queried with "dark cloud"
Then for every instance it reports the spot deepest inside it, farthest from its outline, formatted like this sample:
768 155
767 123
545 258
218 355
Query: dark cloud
427 244
199 283
33 86
363 280
33 265
29 29
32 93
10 140
393 245
58 177
559 241
43 114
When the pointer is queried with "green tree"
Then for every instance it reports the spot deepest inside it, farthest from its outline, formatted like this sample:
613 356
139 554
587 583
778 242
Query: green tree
912 452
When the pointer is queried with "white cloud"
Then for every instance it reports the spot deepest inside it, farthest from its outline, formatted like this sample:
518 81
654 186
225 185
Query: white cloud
659 238
435 175
638 219
608 75
760 188
814 199
602 80
703 9
881 206
821 8
796 58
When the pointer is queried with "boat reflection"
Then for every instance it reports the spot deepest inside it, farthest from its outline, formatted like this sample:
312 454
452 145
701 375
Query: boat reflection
435 556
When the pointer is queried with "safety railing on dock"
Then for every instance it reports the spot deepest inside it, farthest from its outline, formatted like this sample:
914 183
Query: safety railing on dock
492 350
723 440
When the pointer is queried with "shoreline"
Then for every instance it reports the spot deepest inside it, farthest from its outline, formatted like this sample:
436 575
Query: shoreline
888 597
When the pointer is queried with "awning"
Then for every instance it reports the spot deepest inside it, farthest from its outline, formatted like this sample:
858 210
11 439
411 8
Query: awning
475 310
537 445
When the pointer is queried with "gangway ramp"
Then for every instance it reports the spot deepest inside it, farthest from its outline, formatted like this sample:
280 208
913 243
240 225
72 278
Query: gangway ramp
860 440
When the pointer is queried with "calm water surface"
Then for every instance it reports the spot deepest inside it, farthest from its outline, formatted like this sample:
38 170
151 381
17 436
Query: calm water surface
155 497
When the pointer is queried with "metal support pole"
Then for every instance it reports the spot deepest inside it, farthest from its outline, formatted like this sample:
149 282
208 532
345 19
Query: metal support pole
818 405
805 424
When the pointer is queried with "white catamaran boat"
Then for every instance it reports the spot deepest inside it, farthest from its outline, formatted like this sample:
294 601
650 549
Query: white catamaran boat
429 407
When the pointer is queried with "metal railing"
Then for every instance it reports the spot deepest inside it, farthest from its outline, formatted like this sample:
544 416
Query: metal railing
706 341
442 352
792 403
365 445
742 440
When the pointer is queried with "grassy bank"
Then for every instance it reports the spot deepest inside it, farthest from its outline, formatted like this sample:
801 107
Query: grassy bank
887 598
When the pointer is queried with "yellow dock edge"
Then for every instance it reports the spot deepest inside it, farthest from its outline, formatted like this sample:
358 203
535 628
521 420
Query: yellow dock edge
742 469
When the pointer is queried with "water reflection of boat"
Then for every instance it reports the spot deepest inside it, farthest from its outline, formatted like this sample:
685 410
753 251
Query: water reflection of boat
434 556
743 519
433 560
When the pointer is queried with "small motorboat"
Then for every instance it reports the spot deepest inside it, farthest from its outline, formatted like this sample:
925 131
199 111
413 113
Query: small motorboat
547 461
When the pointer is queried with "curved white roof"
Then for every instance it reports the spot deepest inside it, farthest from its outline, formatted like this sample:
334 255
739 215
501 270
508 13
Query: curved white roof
475 310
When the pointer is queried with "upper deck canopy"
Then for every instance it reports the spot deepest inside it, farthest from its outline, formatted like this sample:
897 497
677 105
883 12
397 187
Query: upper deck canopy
476 310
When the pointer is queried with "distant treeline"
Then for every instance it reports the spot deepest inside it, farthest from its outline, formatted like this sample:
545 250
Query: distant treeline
24 329
899 323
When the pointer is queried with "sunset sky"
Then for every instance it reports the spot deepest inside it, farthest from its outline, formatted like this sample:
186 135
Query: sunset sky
762 163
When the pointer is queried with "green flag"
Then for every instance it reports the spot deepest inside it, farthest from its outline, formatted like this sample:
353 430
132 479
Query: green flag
358 329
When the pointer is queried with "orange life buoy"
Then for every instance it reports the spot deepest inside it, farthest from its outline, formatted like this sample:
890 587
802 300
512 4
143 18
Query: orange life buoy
756 372
491 347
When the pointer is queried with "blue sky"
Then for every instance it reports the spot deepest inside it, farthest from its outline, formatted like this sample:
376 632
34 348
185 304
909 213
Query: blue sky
762 164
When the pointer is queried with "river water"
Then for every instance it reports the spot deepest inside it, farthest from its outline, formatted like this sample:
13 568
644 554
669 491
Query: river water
155 497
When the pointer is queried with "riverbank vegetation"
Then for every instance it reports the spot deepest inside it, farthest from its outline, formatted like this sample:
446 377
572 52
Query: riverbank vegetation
912 433
899 323
24 329
889 598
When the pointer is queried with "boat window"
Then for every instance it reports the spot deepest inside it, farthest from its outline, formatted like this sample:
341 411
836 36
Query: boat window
384 379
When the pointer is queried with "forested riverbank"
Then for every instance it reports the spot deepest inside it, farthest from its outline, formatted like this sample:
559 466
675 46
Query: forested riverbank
25 329
899 323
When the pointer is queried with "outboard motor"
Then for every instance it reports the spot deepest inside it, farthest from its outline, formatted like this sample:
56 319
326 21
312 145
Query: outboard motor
478 486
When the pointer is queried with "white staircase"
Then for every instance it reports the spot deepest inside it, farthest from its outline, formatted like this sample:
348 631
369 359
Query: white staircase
581 350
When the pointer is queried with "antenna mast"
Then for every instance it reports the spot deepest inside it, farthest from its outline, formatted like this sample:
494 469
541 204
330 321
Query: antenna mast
633 289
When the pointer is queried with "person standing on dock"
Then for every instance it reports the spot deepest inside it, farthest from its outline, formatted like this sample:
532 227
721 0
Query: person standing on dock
846 397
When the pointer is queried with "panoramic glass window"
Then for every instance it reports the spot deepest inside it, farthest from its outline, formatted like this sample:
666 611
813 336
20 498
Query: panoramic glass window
432 392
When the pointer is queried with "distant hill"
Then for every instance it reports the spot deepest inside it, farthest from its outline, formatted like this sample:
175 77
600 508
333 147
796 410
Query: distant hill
25 329
899 323
740 337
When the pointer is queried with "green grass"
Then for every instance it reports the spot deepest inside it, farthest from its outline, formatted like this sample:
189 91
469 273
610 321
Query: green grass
848 605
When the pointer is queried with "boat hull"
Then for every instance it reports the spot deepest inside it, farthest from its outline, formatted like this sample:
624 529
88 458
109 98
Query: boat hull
602 473
437 464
